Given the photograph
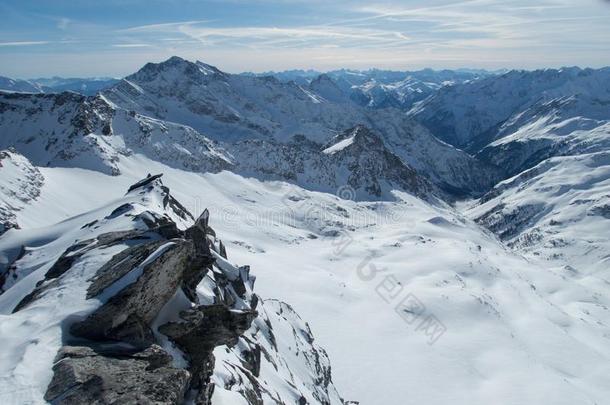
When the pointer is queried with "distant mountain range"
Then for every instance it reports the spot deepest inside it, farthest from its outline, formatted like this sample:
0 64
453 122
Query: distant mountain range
377 88
373 88
85 86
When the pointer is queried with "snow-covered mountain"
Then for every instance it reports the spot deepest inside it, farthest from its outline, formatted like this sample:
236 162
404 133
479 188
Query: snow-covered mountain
71 130
234 108
353 214
19 185
356 158
550 131
88 86
85 86
558 210
137 302
476 114
18 86
376 88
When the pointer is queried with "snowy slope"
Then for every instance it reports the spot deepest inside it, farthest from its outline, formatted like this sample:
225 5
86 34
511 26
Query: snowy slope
228 107
72 130
514 330
471 115
558 210
18 86
70 279
568 125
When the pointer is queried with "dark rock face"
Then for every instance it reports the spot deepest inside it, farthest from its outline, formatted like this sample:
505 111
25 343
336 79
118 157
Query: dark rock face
127 315
88 375
120 265
113 354
201 331
367 161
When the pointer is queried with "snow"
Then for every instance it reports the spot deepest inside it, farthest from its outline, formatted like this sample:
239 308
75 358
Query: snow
411 299
503 313
339 145
20 183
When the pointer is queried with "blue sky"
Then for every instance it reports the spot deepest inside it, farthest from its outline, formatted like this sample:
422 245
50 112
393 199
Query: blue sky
116 37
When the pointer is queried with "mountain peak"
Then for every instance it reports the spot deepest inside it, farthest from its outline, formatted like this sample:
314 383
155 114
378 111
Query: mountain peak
360 135
175 67
326 87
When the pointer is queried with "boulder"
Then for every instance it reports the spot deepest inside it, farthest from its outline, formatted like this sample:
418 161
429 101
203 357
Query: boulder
116 374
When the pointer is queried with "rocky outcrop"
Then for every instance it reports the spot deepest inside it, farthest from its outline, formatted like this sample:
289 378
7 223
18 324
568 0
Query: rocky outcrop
106 375
199 332
161 308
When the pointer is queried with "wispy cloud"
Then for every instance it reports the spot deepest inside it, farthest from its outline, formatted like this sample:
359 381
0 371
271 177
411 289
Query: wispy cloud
131 45
274 34
24 43
164 27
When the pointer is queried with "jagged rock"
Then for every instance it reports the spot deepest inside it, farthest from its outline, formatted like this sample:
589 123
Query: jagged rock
148 180
222 250
602 211
159 303
98 375
276 339
72 254
163 225
200 331
9 269
120 265
128 314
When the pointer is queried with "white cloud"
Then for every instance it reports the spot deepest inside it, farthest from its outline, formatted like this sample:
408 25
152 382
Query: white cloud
395 34
24 43
131 45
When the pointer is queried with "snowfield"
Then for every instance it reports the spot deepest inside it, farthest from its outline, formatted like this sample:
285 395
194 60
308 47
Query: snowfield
498 313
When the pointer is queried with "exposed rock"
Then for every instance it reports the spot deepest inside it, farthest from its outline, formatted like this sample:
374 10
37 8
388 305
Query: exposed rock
152 293
201 330
67 259
148 180
120 265
277 340
128 315
116 374
601 210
